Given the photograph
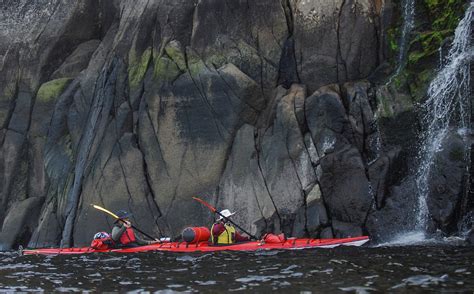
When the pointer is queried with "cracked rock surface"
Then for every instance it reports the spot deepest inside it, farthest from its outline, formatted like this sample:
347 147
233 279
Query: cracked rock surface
260 107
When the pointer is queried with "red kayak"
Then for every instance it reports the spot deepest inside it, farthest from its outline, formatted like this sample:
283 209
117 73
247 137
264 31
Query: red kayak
205 246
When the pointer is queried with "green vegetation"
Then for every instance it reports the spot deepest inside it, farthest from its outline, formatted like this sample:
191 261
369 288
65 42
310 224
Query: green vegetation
393 35
175 53
51 90
439 19
435 21
137 67
165 70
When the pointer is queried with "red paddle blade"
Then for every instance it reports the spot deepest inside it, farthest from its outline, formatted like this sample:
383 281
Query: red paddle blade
205 203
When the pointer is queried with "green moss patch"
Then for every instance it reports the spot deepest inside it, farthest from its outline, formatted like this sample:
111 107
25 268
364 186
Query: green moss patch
51 90
393 36
174 53
165 70
137 67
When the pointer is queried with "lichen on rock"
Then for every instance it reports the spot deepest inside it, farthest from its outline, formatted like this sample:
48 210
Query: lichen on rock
50 91
137 66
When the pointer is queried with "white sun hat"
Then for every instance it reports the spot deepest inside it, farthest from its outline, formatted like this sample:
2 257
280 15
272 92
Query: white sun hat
225 213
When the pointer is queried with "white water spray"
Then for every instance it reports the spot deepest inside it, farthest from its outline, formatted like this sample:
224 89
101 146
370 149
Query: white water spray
448 105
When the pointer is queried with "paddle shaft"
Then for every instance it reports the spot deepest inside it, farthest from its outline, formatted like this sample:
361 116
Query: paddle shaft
123 221
213 209
140 231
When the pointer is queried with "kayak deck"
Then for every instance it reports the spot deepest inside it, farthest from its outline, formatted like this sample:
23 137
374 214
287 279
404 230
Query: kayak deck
289 244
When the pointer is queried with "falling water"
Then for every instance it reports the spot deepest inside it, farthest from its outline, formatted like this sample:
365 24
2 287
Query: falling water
448 105
408 24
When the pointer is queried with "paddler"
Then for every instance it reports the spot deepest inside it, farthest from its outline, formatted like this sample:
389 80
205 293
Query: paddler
223 232
123 234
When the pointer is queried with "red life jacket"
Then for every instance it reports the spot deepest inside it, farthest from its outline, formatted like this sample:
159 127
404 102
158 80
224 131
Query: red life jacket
102 243
127 237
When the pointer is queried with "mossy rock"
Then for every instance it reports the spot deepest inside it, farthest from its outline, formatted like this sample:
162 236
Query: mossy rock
393 36
419 85
426 45
436 21
137 67
390 102
195 63
165 70
175 53
51 90
445 14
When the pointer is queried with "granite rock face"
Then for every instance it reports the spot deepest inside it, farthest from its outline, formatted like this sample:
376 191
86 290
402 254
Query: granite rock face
261 107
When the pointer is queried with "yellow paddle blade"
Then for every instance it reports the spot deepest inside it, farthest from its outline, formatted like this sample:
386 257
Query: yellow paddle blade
105 210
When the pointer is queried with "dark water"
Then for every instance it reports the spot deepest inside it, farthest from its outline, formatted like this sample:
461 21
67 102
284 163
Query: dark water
345 269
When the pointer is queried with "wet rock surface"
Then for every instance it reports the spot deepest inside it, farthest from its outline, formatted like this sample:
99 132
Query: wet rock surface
259 107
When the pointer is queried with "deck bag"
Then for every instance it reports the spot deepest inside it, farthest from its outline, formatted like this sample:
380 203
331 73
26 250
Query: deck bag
102 241
272 238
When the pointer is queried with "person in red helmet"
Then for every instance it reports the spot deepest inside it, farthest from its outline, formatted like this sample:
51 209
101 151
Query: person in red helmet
123 234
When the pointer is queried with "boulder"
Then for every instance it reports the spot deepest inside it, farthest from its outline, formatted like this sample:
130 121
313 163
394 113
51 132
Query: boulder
345 186
445 182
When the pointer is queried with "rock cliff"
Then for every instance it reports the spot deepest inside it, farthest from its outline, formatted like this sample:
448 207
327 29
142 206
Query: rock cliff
270 108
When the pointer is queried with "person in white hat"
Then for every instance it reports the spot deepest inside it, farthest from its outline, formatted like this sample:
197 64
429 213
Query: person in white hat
223 232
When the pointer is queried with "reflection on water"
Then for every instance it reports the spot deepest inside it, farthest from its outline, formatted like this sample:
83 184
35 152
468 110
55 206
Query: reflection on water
355 270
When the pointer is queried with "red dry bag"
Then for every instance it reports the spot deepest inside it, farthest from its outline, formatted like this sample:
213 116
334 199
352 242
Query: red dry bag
272 238
196 234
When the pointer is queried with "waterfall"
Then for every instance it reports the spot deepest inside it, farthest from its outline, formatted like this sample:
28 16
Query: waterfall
447 106
408 24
